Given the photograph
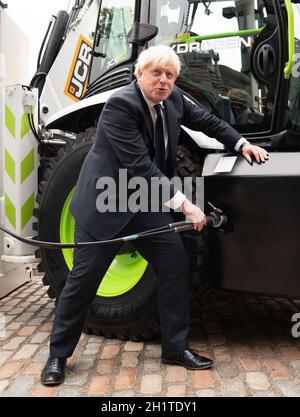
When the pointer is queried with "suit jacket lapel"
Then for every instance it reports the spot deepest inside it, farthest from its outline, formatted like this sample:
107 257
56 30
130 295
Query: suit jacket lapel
148 119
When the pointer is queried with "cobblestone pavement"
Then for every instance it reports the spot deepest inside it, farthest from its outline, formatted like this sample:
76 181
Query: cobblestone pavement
249 337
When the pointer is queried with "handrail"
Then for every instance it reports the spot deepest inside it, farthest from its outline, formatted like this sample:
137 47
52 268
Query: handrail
291 43
184 38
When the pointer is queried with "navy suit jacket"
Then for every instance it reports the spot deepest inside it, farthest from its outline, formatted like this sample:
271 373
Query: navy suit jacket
125 140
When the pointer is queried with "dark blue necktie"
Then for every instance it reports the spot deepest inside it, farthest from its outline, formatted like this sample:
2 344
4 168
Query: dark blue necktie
160 158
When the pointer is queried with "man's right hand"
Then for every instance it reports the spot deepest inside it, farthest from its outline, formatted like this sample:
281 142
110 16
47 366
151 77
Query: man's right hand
194 214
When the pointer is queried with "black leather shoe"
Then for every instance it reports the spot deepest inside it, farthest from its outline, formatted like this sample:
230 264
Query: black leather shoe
189 358
54 371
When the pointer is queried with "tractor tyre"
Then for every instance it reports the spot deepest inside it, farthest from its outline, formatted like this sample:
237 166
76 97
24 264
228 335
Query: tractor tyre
190 164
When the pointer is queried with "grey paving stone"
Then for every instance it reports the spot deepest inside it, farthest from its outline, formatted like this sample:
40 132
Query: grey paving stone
20 387
205 393
45 313
24 317
233 387
4 355
76 378
289 388
84 364
9 318
128 393
16 311
39 337
42 355
14 326
151 384
5 334
36 321
96 339
3 385
227 369
296 366
151 364
264 394
66 391
14 343
25 352
92 349
153 351
257 380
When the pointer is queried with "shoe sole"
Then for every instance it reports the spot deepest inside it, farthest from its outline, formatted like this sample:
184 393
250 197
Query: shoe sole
52 383
167 362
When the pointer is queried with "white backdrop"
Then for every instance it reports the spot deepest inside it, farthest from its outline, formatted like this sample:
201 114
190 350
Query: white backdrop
33 16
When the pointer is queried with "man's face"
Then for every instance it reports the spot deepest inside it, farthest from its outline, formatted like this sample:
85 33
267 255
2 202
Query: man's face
157 81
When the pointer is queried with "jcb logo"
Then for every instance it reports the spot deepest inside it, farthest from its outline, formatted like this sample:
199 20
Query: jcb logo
77 80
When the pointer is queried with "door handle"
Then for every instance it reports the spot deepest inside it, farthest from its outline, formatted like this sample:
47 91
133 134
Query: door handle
266 60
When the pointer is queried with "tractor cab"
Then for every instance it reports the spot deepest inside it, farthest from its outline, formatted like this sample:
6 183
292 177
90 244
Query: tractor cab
236 55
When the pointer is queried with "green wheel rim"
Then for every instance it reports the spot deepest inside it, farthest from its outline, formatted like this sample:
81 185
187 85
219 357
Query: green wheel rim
125 271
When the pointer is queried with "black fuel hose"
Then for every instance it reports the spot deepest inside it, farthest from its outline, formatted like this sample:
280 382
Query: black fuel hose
214 220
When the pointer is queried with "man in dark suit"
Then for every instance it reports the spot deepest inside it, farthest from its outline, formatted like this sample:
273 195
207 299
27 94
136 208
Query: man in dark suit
138 131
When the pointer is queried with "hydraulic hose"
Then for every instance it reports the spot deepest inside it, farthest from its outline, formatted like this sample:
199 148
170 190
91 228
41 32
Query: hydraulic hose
44 42
54 43
215 219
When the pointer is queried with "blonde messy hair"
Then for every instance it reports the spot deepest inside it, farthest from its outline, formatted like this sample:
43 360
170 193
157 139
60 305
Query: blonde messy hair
161 54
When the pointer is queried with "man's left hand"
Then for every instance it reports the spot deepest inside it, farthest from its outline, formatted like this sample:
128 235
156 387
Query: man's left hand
260 154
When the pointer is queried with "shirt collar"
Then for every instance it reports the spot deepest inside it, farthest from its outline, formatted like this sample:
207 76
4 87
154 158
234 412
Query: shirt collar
149 102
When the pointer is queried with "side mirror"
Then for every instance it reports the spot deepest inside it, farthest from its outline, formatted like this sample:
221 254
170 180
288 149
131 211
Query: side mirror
229 12
140 33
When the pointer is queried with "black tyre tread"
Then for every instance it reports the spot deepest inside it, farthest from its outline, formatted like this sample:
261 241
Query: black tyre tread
190 163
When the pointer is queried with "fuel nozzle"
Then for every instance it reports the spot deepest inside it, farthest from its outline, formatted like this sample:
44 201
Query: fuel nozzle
216 218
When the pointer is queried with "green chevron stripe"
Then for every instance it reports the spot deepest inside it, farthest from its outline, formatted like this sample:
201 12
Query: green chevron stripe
25 127
10 210
27 166
10 121
10 166
27 210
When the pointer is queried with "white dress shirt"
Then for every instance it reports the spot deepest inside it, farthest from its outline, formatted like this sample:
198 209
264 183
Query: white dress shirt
179 197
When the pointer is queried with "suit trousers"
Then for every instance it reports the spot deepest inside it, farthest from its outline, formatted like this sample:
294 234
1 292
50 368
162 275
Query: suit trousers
167 255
